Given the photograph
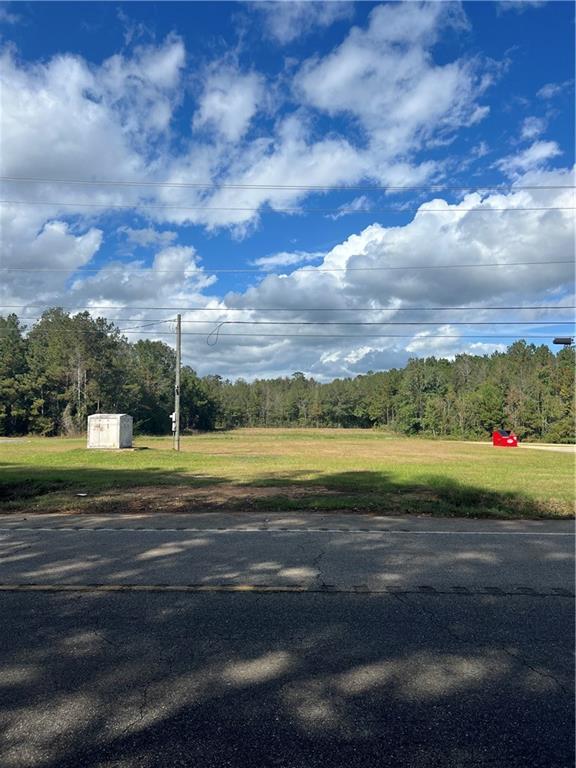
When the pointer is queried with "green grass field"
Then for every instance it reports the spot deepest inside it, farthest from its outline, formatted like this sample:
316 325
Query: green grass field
276 470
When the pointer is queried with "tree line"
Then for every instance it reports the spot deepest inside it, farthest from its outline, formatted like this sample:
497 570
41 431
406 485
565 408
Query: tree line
53 375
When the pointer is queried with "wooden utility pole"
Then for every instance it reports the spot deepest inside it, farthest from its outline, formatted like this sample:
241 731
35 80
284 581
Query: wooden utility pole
177 383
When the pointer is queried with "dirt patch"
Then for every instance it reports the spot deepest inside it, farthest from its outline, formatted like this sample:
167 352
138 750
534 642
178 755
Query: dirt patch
179 499
184 499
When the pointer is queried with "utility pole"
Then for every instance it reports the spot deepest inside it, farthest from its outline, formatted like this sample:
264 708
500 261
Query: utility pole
177 383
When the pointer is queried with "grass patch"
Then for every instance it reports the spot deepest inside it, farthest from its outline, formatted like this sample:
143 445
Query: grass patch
287 470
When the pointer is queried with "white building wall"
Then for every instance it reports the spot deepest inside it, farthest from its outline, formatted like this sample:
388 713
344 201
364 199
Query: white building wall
125 431
109 430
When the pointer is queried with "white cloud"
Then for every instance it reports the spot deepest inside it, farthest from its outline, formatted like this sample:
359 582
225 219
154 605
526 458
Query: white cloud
174 277
550 90
360 203
229 101
144 89
428 343
54 122
532 158
481 150
287 20
533 127
385 77
181 259
358 354
148 236
133 30
65 118
519 5
68 119
431 238
286 258
159 65
281 161
33 243
54 245
384 74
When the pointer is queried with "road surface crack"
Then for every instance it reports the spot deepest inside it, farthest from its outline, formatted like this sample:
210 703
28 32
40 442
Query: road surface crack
99 632
142 707
525 663
316 563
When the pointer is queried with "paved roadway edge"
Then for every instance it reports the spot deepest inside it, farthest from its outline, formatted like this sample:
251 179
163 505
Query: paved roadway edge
271 529
292 588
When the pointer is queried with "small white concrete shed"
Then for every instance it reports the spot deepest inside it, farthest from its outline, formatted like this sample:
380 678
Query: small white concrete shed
110 430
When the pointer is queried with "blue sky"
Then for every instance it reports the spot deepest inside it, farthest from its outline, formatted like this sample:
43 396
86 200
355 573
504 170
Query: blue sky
233 113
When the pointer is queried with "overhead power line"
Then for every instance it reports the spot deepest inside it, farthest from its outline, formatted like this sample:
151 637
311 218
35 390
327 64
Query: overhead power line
116 320
358 336
109 308
264 270
279 209
499 186
529 323
382 322
146 325
66 333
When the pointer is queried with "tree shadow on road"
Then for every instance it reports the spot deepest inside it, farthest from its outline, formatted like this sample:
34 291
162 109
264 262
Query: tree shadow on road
249 680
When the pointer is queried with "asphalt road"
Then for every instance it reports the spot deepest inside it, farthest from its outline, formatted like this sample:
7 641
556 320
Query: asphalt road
344 552
371 642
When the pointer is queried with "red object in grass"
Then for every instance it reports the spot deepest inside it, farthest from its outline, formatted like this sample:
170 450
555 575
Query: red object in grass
504 438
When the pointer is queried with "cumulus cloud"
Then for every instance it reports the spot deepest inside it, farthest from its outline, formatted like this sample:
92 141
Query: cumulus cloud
39 254
229 101
440 234
428 343
270 171
446 234
175 276
385 77
67 119
288 20
64 118
452 236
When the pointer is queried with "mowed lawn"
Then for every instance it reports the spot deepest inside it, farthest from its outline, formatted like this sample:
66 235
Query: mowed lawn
276 470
